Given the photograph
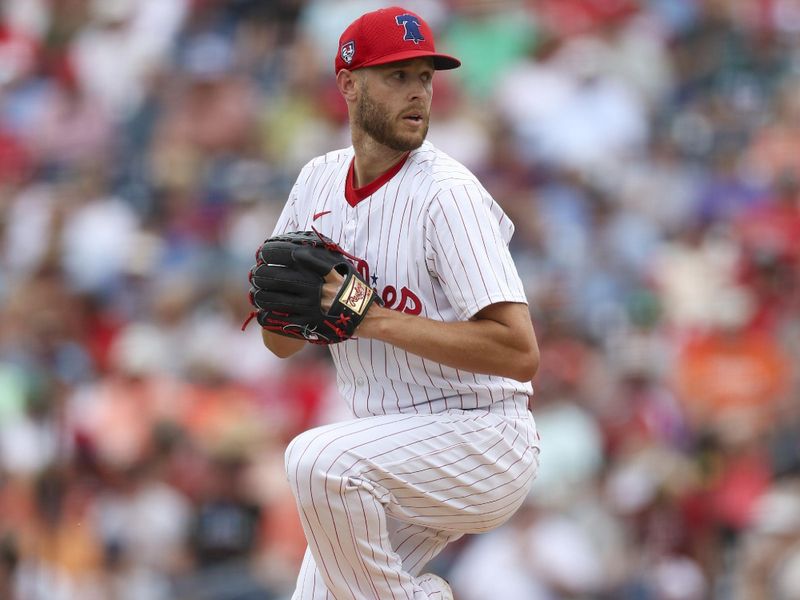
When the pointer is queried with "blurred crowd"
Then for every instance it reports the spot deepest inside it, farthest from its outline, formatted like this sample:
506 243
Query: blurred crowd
649 154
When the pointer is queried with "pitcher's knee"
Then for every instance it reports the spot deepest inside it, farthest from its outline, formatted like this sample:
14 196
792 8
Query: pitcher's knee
298 462
315 465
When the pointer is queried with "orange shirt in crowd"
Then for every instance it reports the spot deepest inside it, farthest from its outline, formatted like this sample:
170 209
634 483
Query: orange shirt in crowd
725 372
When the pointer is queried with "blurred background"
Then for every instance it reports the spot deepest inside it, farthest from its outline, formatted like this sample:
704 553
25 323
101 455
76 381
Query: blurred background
649 154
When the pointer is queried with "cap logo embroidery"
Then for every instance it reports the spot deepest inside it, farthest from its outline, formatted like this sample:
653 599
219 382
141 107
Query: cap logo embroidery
348 51
411 25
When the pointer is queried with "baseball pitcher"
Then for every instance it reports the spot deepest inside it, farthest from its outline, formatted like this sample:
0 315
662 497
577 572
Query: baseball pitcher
394 255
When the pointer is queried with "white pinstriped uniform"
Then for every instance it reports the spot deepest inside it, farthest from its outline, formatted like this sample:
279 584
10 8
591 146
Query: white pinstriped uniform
435 452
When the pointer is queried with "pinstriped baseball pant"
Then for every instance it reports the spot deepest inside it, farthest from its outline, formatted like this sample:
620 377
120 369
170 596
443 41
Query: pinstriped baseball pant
379 497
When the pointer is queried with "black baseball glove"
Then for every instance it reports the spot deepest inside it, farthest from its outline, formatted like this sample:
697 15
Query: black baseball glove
286 289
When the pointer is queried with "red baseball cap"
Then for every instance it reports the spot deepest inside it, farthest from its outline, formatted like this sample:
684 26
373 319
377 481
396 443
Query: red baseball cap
388 35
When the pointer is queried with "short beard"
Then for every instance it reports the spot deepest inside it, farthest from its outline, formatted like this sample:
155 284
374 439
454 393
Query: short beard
373 118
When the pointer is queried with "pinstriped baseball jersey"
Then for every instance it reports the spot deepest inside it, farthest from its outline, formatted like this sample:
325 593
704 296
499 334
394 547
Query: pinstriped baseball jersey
434 243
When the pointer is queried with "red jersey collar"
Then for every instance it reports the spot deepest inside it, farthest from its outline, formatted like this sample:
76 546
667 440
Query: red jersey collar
355 195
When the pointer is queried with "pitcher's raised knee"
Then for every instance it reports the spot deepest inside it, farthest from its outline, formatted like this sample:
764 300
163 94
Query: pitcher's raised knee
317 460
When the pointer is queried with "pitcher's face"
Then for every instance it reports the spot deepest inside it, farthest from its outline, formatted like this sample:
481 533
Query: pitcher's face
394 103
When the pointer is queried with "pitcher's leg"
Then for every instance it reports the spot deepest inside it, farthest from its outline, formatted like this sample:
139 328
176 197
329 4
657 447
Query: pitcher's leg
310 585
343 516
446 472
415 545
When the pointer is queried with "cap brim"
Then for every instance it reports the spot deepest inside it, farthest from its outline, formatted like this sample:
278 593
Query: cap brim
441 62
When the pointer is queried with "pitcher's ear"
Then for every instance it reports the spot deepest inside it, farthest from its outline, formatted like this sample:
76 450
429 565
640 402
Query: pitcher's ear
348 83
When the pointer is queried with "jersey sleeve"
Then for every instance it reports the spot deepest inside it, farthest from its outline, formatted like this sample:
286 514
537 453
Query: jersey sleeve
467 236
288 220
